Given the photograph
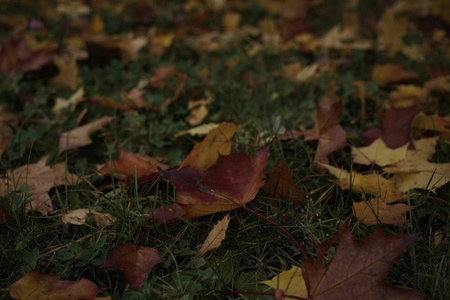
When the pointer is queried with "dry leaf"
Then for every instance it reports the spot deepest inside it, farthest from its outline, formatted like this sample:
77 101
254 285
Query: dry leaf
40 178
291 282
38 286
391 73
68 72
7 121
216 236
79 216
423 123
135 262
376 211
378 153
79 137
216 143
199 130
280 184
69 104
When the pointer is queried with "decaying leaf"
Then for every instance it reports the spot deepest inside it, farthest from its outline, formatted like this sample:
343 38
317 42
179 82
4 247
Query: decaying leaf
130 165
216 143
68 72
215 236
69 104
291 282
358 268
280 184
391 73
378 153
79 137
40 178
135 262
38 286
416 172
373 184
231 182
79 216
376 211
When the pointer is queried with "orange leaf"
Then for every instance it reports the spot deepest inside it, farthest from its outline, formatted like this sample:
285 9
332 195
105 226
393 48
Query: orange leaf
231 182
79 137
39 286
132 164
390 73
216 236
216 143
280 184
136 262
376 211
358 268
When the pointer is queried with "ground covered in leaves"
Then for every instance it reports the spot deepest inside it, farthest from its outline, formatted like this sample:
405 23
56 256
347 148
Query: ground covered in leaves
214 149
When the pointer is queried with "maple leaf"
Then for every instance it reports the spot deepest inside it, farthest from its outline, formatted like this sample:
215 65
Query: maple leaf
415 171
378 153
79 137
231 182
132 164
68 72
291 282
358 268
38 286
391 73
374 211
40 178
16 57
135 262
215 236
396 127
373 184
280 184
216 143
423 123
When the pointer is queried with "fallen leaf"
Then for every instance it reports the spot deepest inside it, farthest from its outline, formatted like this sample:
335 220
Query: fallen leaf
38 286
378 153
215 236
291 282
231 182
40 178
69 104
423 123
391 39
396 127
358 268
79 216
216 143
3 215
441 84
373 184
416 172
131 165
79 137
199 130
391 73
7 122
198 111
135 262
376 211
68 72
408 95
280 184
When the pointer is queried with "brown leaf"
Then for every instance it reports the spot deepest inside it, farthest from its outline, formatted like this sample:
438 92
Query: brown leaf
40 178
231 182
391 73
358 268
396 128
79 216
38 286
436 123
135 262
79 137
215 236
376 211
16 57
216 143
280 184
7 121
132 164
69 104
68 72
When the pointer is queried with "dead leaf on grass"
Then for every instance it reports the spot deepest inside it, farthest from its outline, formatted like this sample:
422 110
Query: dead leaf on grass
215 236
376 211
291 282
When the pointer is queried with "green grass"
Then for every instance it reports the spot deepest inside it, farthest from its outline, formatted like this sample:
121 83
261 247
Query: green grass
254 250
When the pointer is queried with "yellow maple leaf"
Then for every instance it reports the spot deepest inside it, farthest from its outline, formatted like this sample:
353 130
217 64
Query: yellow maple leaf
216 143
291 282
378 153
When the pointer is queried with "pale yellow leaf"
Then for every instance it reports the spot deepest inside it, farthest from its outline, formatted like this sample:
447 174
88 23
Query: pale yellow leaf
69 104
199 130
291 282
378 153
216 236
76 217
